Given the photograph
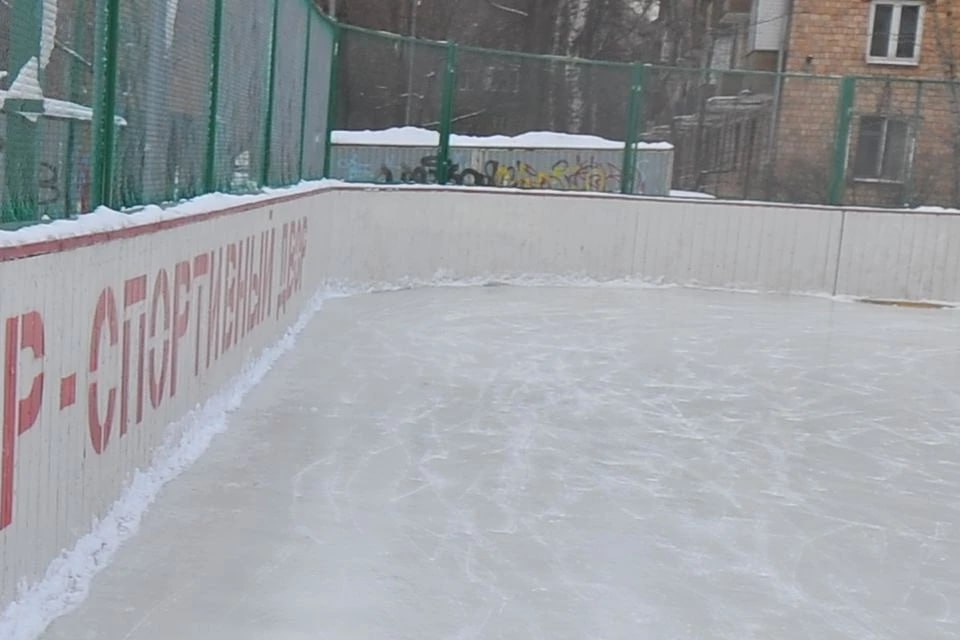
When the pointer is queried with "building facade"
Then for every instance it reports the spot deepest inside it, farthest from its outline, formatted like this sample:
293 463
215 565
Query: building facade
891 131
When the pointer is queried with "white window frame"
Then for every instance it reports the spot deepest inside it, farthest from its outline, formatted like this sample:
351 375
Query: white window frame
908 153
891 57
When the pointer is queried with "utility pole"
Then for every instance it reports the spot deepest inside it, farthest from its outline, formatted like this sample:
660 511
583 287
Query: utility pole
333 8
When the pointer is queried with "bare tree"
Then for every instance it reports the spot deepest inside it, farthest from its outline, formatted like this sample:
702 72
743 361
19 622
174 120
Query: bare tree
507 94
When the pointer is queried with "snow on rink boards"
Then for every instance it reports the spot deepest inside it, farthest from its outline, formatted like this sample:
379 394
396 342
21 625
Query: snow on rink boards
501 462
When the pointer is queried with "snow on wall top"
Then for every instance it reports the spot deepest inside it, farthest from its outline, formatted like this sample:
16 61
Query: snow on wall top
104 219
26 86
417 137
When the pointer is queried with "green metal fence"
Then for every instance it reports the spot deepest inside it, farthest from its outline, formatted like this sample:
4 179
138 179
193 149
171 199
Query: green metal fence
129 102
736 134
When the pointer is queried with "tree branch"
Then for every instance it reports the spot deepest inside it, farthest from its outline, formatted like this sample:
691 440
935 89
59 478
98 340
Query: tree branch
512 10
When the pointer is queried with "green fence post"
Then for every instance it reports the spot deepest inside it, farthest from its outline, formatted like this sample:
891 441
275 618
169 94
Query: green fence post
635 125
446 114
271 96
842 141
332 94
210 167
306 82
105 132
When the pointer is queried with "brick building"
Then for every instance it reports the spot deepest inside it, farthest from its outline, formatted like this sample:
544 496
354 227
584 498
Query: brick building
903 145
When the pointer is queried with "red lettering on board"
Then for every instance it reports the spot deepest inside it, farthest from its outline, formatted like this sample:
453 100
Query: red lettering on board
213 309
161 296
268 278
31 337
181 317
134 293
253 284
230 296
105 317
201 266
228 292
284 253
256 284
9 421
243 287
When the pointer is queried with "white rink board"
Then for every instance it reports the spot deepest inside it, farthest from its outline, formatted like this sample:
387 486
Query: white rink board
103 345
901 256
56 482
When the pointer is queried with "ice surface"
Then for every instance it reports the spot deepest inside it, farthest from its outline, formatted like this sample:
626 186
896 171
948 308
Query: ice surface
557 463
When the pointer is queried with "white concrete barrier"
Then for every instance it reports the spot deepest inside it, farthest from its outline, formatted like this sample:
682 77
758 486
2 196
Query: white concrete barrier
107 338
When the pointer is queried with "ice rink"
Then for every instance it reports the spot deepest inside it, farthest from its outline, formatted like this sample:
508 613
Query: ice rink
568 463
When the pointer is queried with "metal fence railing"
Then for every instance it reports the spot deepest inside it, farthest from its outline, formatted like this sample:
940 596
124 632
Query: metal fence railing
128 102
736 134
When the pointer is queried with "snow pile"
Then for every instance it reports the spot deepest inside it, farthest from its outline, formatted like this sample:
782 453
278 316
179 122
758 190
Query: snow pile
417 137
26 86
699 195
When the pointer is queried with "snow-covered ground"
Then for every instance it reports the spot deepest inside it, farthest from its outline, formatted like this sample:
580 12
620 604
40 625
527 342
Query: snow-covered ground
416 137
578 462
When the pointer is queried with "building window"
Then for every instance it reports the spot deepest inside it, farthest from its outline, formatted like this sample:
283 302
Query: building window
883 146
895 30
502 79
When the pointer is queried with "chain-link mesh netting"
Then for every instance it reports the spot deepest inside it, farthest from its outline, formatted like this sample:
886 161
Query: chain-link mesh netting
319 68
743 135
731 133
46 72
68 141
244 79
500 93
163 97
903 143
291 52
934 159
169 62
507 94
804 142
6 210
386 82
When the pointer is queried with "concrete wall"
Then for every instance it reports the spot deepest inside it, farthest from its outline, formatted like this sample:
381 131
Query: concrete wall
561 169
107 338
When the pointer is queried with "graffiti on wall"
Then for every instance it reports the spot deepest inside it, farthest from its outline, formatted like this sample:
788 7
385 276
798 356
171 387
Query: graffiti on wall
568 174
